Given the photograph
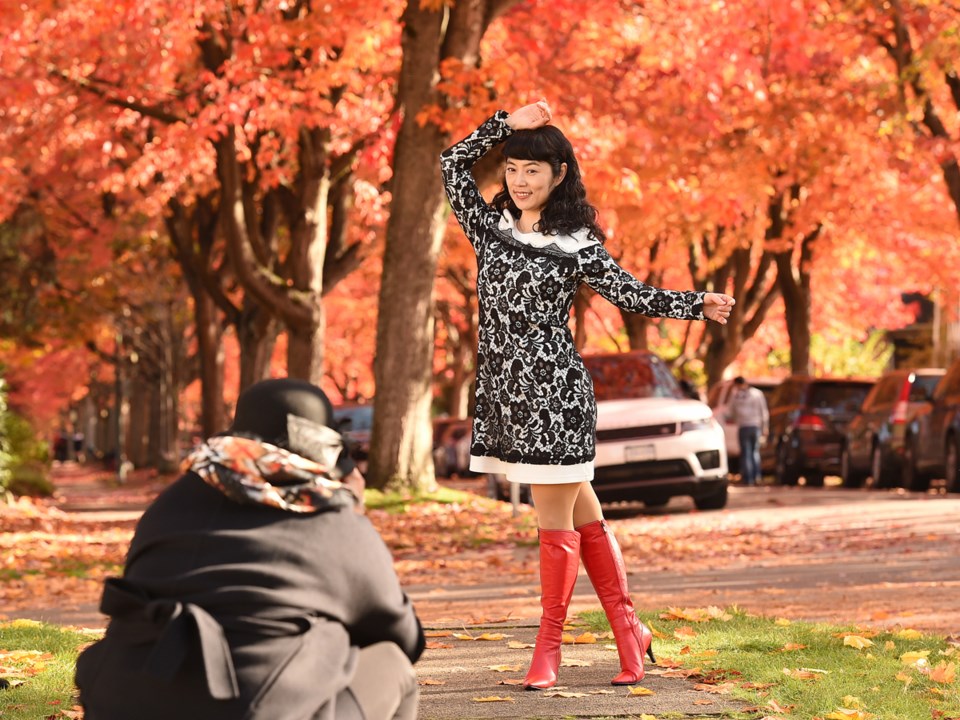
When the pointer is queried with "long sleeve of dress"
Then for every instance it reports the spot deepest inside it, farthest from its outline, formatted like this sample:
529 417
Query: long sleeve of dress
455 164
601 272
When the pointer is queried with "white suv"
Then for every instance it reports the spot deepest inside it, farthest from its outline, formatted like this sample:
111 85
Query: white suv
653 442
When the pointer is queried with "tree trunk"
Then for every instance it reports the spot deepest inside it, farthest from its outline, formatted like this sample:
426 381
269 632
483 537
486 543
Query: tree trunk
257 335
402 437
213 416
192 233
793 277
400 452
137 435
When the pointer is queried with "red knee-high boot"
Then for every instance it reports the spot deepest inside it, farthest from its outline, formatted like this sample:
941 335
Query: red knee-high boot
559 562
604 564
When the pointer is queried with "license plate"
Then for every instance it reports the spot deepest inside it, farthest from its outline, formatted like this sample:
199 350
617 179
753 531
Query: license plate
639 453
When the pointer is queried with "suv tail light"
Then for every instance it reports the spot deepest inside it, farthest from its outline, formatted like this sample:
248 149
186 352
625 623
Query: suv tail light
811 422
899 416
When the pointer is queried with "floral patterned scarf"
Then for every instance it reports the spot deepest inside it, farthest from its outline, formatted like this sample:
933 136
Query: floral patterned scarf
254 472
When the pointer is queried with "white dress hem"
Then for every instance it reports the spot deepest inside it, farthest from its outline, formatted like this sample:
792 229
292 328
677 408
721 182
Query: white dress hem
533 474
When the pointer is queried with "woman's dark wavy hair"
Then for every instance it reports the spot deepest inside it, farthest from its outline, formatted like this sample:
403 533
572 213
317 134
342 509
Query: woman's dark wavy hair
567 209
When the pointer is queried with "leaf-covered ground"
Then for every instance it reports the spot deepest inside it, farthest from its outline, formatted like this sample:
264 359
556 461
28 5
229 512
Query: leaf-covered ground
55 553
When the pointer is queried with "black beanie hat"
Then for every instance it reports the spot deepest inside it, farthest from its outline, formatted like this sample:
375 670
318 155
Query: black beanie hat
296 415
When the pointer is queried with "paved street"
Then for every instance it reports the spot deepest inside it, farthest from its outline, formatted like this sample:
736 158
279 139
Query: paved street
848 556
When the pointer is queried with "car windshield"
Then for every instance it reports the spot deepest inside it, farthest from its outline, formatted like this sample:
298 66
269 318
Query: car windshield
628 377
922 388
838 396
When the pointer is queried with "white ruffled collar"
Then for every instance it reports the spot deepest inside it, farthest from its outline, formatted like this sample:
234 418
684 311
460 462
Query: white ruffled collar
567 243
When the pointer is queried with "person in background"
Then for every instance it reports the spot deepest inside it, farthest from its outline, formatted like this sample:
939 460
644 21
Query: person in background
748 411
255 588
535 414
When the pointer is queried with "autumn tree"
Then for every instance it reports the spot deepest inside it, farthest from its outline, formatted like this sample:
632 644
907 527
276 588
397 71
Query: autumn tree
434 33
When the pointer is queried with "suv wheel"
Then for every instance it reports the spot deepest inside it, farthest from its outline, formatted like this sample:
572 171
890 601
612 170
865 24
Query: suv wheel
881 469
784 473
952 464
912 477
851 478
813 479
715 501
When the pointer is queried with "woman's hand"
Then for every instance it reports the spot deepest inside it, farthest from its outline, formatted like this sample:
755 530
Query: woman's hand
717 306
530 116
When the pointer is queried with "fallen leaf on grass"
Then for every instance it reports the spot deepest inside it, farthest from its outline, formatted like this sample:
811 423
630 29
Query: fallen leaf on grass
909 634
944 673
640 691
504 668
849 714
517 645
916 658
857 641
783 622
789 647
776 707
696 614
684 632
494 698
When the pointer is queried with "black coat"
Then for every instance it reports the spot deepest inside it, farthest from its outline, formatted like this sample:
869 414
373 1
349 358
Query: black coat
242 611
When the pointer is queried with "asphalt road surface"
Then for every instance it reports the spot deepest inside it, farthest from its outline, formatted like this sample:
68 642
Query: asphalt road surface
883 558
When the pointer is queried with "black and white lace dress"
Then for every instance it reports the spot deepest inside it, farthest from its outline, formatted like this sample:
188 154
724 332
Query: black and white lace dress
535 416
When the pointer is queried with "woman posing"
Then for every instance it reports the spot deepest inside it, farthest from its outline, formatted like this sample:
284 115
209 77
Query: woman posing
535 416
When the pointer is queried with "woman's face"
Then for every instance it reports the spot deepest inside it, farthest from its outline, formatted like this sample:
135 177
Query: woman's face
530 182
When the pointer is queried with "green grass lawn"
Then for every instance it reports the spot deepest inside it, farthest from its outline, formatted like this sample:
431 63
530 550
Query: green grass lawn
784 669
803 671
36 667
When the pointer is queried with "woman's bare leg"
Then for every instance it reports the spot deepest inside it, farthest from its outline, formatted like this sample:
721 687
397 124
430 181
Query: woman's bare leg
554 505
587 507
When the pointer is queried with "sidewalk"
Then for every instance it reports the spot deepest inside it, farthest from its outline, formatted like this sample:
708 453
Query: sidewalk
464 669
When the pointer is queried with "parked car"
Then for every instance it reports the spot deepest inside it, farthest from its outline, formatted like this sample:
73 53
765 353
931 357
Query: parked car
932 443
719 401
653 442
356 424
808 423
451 446
874 443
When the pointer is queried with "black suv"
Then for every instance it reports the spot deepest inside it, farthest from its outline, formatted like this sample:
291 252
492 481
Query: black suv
932 444
874 446
808 419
